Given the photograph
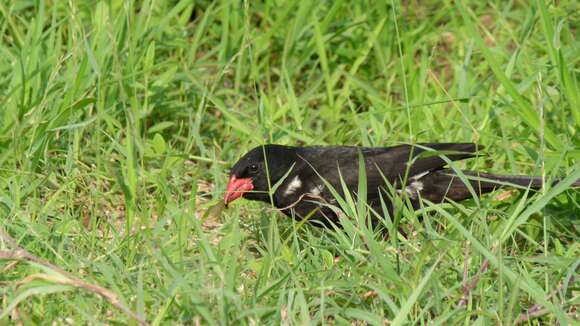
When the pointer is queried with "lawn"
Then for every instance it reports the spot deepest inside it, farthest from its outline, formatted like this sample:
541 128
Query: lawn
120 119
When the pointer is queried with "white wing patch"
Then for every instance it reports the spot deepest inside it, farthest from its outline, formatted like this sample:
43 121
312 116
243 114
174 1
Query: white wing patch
316 190
420 175
415 186
294 185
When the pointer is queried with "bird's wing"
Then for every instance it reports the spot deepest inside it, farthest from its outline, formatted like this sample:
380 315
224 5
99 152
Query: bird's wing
390 163
406 160
304 186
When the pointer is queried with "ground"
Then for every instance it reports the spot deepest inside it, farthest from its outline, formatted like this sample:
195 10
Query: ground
120 120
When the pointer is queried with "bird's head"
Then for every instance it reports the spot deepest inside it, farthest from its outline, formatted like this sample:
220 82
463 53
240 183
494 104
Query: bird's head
259 169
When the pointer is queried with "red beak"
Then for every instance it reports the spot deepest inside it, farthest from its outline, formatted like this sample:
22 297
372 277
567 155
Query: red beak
236 188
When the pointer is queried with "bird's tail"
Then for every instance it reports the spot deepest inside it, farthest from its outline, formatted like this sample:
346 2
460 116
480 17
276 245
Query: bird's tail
519 181
447 184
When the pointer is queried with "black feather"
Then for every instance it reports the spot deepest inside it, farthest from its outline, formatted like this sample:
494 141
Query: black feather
418 171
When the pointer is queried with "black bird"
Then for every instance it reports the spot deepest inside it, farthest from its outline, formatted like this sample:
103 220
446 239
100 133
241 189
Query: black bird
415 171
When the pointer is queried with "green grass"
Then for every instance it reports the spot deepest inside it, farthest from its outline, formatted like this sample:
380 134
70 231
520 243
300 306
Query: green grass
119 120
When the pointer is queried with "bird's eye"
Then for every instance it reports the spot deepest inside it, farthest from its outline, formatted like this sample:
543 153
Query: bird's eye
253 168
